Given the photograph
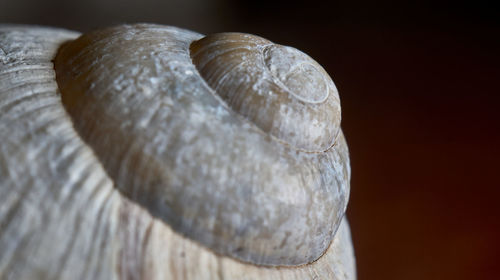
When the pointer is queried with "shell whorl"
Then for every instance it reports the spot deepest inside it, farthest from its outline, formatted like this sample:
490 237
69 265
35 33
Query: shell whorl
280 89
213 166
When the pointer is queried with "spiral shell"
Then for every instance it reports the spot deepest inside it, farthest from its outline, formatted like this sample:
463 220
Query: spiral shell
151 137
281 90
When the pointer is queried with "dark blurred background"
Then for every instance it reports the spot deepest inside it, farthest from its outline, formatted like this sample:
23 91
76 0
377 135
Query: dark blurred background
418 83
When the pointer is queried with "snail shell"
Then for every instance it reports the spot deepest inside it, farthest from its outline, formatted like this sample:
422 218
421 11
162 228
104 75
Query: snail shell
152 134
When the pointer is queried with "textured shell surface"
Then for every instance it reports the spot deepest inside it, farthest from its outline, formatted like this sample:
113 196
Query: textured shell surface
280 89
211 173
142 155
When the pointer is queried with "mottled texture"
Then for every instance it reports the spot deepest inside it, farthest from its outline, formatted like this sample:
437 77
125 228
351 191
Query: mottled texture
213 175
62 216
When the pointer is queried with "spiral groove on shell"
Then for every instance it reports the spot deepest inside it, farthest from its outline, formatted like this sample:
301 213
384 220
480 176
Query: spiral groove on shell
280 89
143 128
190 160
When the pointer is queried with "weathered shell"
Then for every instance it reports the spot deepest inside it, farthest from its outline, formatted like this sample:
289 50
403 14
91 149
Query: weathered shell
209 172
63 214
280 89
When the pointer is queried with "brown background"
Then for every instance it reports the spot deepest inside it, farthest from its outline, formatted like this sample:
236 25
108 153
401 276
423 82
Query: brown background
418 83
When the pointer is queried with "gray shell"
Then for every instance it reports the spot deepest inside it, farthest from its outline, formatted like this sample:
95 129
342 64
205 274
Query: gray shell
148 147
211 173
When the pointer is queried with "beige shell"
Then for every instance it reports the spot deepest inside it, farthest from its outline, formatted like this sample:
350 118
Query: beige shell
152 151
